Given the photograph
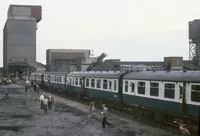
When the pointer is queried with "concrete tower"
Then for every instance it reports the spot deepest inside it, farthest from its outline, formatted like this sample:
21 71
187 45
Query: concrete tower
19 38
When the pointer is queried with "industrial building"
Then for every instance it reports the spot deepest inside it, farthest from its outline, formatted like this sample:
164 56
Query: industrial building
67 60
19 39
169 63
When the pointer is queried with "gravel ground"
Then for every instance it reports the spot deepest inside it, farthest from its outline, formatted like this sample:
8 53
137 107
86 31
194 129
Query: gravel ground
20 115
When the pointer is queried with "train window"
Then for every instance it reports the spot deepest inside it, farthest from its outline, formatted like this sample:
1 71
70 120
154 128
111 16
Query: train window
110 84
115 85
87 82
181 92
141 87
154 89
70 81
73 81
80 81
195 93
92 82
169 91
76 81
132 87
98 83
126 86
63 79
105 84
60 79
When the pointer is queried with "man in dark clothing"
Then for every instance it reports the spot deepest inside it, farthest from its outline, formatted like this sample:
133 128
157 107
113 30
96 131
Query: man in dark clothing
34 87
6 93
105 116
50 101
184 131
26 87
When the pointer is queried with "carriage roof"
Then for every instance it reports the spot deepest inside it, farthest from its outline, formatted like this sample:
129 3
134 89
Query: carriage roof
173 76
96 74
55 73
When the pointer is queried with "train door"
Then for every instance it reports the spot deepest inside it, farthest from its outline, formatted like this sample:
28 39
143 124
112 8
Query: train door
48 80
182 87
82 80
42 79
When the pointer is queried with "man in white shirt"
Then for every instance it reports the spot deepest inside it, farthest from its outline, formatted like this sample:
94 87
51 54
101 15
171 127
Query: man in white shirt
41 101
45 104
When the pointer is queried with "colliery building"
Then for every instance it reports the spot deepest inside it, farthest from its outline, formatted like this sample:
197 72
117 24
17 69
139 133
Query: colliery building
169 63
67 60
19 38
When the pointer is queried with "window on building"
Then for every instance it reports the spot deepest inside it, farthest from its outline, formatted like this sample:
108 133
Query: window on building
115 85
154 89
177 61
110 85
169 91
105 84
87 82
126 86
92 82
141 87
195 93
98 83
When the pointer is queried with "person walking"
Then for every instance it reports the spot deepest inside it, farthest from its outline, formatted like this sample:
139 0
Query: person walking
38 89
45 104
50 102
105 116
6 93
41 101
91 108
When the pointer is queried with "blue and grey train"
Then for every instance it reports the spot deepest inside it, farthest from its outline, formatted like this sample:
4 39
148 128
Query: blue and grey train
161 96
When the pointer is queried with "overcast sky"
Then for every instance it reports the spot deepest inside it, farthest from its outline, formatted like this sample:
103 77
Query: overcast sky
137 30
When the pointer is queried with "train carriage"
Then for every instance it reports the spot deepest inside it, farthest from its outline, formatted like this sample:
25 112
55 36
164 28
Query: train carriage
56 80
168 95
36 78
161 96
100 84
173 91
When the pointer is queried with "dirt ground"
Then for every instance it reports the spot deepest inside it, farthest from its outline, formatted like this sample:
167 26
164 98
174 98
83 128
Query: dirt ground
20 115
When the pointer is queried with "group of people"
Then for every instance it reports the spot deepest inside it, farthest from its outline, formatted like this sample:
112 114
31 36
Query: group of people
46 102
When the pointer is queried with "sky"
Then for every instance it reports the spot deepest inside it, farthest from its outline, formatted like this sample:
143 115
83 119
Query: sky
130 30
